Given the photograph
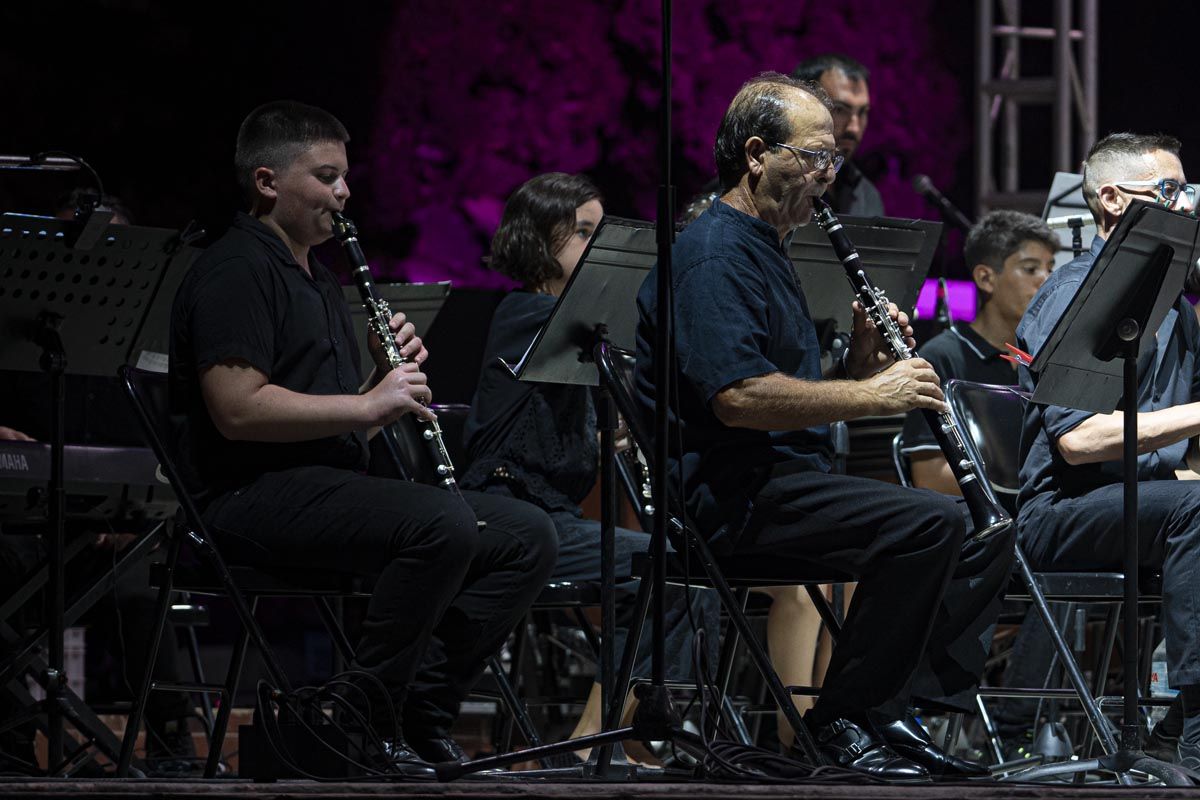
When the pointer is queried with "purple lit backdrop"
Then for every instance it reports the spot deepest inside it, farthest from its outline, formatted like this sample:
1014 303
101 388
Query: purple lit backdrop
476 98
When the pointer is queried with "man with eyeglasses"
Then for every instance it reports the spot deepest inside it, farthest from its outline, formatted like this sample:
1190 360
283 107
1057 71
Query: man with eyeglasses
1071 499
754 451
847 83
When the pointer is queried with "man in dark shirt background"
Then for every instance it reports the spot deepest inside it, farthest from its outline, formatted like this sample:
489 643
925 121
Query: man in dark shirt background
753 416
265 372
1071 501
847 83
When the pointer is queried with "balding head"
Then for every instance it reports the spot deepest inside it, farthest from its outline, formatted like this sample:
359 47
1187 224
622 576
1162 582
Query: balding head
771 107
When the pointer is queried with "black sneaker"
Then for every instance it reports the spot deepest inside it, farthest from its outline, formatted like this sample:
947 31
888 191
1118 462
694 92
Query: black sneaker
1163 741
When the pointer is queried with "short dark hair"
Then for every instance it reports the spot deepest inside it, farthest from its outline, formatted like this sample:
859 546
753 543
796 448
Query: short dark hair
1110 157
756 110
1001 233
811 69
538 218
273 134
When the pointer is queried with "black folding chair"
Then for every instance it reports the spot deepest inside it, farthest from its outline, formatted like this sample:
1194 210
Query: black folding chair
700 567
242 586
991 419
901 461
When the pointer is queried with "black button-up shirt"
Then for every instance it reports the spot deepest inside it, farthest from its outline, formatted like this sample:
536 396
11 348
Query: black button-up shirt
1167 376
247 299
739 313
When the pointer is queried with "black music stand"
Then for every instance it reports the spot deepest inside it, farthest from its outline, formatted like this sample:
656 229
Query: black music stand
1089 362
66 308
420 302
896 253
596 311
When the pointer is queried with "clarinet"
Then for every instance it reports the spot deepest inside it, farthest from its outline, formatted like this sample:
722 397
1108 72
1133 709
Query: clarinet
988 516
424 452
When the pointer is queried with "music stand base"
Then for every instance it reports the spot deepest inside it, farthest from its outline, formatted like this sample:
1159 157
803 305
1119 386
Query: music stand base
1121 763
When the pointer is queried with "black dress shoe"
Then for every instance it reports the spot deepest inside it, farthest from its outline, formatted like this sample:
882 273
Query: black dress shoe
909 739
851 747
403 760
438 749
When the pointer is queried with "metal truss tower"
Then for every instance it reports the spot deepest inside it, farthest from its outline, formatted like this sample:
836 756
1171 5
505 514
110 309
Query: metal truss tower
1003 91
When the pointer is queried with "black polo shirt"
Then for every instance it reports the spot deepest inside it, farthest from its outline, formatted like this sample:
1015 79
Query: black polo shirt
246 298
739 313
537 440
958 352
1167 376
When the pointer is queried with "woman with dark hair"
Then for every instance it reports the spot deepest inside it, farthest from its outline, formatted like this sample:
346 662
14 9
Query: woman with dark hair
539 442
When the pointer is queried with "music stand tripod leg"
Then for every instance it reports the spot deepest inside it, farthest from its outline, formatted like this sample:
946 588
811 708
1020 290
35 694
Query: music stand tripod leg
53 362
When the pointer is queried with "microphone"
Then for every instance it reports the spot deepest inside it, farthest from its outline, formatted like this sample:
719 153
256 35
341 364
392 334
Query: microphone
1082 220
924 187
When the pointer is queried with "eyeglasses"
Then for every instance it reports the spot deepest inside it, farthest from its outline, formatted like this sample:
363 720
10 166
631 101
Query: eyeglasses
1169 190
819 160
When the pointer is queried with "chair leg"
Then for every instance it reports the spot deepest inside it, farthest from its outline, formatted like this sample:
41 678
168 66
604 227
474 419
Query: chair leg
193 648
237 659
758 653
244 610
1090 707
162 608
333 625
989 729
1109 642
588 631
517 709
832 620
725 672
953 726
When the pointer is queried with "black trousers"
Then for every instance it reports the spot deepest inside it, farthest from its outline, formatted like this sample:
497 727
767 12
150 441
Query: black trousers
921 622
1087 533
446 594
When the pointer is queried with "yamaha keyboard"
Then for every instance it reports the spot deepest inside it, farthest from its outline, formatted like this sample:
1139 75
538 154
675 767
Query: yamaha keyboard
102 483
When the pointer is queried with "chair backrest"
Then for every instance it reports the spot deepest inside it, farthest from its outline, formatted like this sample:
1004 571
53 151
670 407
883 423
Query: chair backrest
990 419
147 393
900 461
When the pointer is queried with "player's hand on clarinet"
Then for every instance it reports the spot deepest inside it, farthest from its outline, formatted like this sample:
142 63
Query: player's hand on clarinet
868 352
404 390
906 385
405 335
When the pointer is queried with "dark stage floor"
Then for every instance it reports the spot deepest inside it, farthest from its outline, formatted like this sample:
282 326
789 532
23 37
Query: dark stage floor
478 789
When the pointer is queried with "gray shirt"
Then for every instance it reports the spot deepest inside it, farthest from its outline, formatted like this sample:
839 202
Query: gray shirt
852 193
1167 376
